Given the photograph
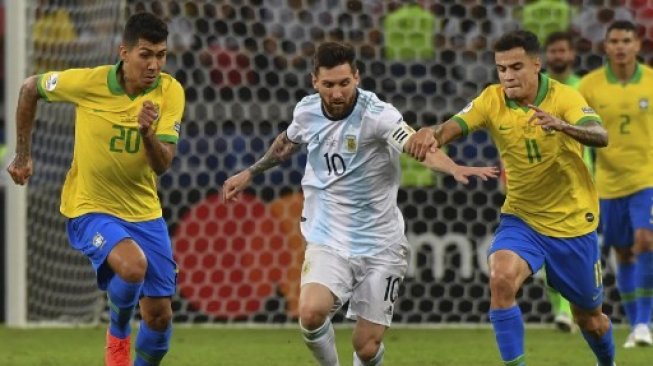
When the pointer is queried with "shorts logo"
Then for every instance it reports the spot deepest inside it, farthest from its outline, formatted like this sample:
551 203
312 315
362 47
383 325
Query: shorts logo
51 82
98 241
589 217
388 310
350 143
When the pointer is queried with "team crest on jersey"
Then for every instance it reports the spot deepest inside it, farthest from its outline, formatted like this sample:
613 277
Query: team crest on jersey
98 240
51 82
643 103
350 143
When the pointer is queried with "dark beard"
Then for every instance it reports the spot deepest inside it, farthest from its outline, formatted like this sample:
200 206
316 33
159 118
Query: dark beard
558 69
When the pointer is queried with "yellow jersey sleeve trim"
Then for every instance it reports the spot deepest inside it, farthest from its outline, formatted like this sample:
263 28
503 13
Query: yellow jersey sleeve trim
39 88
588 119
463 125
168 138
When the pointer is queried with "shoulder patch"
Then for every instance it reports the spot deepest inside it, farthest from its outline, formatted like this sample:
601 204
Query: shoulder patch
51 82
467 108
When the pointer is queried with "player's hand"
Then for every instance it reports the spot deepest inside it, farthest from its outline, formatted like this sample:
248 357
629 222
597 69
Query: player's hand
236 184
546 120
20 169
148 114
462 173
420 143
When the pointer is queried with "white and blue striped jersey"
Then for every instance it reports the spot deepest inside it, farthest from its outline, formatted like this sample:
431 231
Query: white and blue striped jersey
352 174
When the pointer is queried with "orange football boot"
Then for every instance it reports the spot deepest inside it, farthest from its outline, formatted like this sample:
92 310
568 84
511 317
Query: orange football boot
118 351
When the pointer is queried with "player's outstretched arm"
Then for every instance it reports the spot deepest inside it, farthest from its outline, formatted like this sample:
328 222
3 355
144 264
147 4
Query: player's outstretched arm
429 138
282 148
439 161
20 168
159 154
590 134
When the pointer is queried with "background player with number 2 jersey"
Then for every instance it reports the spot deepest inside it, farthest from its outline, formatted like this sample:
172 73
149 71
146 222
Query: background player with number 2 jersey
550 213
356 248
621 93
126 127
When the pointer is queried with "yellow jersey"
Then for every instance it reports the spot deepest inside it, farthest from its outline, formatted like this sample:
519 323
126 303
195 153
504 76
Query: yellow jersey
109 172
548 184
625 166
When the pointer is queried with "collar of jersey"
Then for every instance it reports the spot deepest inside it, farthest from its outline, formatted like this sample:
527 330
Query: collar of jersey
353 106
612 78
572 79
116 88
542 89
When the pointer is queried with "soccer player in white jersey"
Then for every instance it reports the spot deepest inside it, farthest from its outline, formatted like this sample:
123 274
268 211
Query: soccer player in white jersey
356 248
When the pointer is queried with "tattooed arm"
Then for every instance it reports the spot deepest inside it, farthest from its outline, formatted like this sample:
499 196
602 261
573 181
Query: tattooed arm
20 168
282 148
590 134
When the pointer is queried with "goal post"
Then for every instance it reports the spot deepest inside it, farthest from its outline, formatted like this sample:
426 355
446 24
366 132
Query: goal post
45 280
15 265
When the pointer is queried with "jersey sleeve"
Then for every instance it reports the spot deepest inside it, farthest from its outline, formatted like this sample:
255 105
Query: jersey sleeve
172 110
296 132
473 116
575 110
392 128
63 86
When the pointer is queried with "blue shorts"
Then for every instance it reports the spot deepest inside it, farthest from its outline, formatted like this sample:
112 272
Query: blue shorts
573 265
96 235
620 217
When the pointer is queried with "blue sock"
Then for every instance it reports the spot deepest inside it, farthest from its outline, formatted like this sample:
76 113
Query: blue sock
123 297
603 347
644 274
509 331
151 345
627 286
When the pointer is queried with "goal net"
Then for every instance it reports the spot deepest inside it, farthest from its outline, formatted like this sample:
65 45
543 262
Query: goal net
244 65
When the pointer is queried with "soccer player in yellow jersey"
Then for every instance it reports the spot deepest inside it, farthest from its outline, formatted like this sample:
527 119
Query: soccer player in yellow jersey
126 128
559 57
551 210
621 92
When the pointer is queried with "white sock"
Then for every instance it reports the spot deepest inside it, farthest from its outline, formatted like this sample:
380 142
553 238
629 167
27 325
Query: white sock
322 343
376 361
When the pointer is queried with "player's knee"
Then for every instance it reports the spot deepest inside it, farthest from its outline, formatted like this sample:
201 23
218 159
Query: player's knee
503 285
128 261
625 255
591 323
158 319
134 269
367 349
644 241
311 317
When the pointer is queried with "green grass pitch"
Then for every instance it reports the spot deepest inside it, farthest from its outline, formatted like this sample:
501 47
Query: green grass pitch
279 347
